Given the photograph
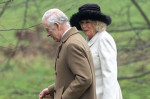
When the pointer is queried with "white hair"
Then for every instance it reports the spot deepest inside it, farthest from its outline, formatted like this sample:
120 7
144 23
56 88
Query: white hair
55 15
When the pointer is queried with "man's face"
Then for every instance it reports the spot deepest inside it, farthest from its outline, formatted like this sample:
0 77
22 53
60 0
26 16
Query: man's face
52 31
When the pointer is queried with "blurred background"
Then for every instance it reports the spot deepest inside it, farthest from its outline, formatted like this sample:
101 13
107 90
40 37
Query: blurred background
27 55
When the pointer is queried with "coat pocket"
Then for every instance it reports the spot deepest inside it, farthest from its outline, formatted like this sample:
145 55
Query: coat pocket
59 93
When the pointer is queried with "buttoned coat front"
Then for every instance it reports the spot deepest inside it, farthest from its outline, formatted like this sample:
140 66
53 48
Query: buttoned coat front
75 76
104 52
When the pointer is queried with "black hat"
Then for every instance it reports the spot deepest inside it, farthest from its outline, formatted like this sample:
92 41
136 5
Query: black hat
89 12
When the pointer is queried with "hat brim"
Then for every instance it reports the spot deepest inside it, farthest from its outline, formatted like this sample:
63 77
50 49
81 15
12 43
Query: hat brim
88 15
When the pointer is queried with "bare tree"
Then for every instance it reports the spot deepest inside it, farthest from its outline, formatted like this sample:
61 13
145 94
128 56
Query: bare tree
141 11
5 6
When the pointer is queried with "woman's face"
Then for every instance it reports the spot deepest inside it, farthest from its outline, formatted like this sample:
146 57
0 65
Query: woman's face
88 28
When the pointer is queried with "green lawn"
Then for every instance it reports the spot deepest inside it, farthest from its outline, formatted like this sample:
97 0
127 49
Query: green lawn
25 78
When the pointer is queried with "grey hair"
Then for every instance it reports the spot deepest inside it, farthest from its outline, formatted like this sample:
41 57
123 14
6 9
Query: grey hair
100 26
55 15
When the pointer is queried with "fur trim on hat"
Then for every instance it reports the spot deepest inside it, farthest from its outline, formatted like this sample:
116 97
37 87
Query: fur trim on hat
88 15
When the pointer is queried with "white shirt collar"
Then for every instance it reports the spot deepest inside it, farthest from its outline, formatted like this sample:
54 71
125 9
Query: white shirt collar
65 32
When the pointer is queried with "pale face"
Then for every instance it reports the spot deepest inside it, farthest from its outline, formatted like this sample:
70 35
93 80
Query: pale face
88 28
53 32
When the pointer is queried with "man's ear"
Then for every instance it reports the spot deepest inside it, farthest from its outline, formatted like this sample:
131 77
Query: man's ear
57 25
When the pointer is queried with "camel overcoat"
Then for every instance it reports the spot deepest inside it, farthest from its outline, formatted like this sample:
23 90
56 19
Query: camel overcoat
75 76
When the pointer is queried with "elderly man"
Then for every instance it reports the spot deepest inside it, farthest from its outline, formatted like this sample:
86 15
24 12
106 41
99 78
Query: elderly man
74 68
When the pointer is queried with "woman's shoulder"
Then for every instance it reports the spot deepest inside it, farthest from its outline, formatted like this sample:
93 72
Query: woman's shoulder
105 36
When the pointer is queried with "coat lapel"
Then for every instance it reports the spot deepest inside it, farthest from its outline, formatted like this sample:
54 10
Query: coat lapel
71 32
57 53
94 38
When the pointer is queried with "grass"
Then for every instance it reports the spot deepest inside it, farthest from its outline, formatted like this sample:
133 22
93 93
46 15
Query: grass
137 88
134 90
25 78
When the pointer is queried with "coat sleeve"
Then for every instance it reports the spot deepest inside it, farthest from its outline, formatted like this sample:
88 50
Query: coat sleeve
108 60
51 90
79 66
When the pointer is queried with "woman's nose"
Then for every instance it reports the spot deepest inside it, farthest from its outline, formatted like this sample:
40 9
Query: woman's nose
83 25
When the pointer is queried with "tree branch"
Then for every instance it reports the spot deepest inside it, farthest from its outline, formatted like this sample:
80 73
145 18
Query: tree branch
134 77
4 8
25 13
21 28
142 12
129 29
6 1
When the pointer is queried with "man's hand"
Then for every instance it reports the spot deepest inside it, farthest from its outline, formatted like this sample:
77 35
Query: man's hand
44 94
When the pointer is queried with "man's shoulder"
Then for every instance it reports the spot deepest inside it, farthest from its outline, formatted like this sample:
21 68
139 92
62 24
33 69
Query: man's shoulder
78 40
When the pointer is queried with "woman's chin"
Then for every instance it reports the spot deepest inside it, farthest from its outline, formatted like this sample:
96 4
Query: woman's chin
86 33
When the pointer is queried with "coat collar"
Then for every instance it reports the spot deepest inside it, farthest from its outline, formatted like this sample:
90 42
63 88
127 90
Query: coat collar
70 32
94 38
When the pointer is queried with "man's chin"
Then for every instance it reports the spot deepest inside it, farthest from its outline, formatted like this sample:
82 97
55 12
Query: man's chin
56 40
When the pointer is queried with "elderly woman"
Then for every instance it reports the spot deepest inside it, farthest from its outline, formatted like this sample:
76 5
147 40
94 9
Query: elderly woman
93 23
